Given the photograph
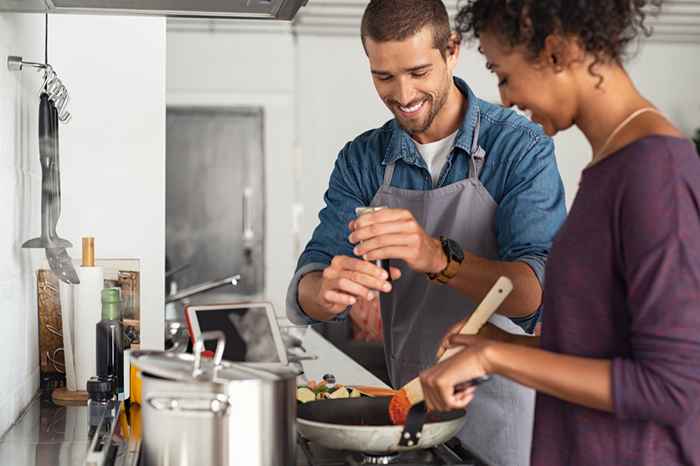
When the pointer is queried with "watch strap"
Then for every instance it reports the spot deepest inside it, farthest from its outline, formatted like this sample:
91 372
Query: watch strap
450 270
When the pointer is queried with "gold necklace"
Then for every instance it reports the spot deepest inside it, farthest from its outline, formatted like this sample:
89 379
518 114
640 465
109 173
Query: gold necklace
597 157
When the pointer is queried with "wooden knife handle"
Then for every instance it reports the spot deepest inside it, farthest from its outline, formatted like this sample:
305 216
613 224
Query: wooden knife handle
493 299
498 293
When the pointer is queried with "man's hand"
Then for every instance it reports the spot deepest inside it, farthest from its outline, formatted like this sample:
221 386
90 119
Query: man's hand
395 234
347 279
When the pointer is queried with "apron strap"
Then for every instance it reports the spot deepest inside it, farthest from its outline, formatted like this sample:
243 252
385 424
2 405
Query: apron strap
477 154
388 174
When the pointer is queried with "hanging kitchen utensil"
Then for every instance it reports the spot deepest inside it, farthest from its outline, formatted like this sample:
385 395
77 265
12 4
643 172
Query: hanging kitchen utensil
59 259
48 238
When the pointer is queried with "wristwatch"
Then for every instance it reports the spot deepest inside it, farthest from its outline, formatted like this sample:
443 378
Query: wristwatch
455 255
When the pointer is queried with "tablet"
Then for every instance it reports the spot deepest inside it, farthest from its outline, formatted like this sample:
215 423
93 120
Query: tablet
252 333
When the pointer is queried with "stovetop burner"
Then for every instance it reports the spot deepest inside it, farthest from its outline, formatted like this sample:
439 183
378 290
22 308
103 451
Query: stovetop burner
379 459
451 453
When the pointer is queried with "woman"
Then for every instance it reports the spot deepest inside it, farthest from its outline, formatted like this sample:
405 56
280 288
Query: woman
617 368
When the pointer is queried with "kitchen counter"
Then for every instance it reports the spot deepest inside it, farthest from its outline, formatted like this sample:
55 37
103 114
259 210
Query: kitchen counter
332 360
46 435
50 435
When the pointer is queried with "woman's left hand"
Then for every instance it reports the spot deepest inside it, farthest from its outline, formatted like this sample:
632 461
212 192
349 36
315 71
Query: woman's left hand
439 381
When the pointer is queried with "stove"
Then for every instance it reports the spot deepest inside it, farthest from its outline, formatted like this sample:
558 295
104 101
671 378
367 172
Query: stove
449 453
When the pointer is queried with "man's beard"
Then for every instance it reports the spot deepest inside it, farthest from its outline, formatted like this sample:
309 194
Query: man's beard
420 126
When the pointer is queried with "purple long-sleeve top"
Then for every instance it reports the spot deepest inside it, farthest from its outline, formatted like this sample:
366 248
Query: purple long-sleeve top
623 284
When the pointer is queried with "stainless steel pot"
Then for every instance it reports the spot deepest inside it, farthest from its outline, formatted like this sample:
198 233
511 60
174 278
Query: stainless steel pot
215 413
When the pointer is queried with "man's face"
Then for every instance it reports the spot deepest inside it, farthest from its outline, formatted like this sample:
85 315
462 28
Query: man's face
412 78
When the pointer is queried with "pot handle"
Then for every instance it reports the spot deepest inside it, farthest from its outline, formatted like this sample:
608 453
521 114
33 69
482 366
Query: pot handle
198 348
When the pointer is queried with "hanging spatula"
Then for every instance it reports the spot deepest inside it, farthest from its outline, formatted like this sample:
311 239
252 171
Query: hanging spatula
412 393
48 238
59 259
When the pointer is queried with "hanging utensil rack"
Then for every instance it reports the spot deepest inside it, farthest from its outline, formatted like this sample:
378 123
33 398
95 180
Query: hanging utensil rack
53 86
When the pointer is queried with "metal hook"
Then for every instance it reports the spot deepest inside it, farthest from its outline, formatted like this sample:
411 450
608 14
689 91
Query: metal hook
52 84
49 75
63 115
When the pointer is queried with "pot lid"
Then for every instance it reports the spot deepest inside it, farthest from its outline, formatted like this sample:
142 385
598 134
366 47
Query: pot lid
193 368
184 367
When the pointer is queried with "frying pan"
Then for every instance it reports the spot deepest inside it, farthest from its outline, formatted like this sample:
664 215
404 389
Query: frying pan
363 424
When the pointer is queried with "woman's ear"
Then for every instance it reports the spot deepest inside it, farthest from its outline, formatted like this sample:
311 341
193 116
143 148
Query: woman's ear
555 53
453 45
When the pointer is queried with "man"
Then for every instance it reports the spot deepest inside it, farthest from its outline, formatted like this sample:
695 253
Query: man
473 193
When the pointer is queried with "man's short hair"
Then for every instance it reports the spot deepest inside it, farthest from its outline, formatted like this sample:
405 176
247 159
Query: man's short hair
397 20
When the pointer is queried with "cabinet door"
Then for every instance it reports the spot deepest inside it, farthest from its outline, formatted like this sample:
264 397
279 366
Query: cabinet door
215 198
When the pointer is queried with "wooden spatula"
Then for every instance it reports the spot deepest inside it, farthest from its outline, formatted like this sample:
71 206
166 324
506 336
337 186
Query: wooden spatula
412 392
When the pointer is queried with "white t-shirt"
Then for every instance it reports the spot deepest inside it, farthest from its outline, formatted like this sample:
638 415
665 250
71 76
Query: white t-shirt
435 154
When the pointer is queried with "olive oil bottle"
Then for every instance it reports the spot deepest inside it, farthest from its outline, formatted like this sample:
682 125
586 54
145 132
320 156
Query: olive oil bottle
110 349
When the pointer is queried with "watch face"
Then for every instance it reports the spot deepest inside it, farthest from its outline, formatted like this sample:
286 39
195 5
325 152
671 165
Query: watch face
453 249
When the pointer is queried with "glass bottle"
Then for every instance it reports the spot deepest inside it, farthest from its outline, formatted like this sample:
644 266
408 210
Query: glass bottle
110 349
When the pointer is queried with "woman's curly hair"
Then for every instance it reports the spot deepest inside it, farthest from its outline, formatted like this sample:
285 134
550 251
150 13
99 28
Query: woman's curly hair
604 28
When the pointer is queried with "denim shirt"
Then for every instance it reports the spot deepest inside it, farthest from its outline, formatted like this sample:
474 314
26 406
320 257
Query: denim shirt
520 173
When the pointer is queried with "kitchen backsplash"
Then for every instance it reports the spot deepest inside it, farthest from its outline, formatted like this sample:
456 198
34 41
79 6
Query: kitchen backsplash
112 182
20 183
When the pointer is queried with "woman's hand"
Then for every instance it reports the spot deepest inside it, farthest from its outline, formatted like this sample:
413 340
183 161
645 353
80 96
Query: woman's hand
439 381
489 331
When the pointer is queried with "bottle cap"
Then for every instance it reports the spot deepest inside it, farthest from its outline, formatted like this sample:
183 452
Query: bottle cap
88 251
100 388
111 295
111 300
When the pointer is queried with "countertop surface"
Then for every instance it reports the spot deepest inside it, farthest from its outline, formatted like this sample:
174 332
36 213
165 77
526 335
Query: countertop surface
51 435
47 435
332 360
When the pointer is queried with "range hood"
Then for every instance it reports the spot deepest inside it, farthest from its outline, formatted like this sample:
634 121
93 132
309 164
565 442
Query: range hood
249 9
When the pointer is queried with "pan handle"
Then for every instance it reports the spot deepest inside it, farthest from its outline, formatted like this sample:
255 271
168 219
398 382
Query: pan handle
460 387
415 420
220 338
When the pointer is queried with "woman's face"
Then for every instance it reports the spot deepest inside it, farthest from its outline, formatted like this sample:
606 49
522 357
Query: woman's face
535 86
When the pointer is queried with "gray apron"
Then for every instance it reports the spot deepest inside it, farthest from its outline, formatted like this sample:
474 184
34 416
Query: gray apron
418 313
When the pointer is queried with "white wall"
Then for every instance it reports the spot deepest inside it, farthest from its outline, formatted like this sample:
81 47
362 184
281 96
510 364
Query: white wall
328 81
20 184
248 69
113 150
339 102
112 169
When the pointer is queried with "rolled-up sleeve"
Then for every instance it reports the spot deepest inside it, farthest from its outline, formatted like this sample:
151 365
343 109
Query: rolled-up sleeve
532 207
330 238
659 229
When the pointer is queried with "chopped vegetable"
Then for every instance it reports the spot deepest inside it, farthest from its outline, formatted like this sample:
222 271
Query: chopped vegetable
322 390
342 392
305 394
399 406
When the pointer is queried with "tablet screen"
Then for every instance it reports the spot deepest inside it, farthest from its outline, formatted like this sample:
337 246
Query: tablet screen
249 337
